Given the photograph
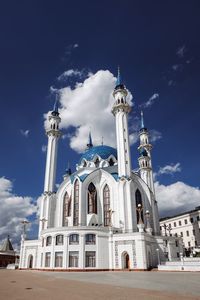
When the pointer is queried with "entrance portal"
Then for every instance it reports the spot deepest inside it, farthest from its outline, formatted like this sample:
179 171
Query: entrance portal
30 261
125 261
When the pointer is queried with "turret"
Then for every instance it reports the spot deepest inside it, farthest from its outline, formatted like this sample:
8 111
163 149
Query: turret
120 110
145 164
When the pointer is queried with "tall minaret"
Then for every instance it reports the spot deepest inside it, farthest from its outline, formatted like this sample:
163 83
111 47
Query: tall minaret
120 110
144 160
53 134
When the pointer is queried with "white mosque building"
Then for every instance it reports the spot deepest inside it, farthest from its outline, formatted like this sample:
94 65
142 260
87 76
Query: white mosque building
104 216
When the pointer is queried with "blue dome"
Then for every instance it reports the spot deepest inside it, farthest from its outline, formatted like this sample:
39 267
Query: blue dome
102 151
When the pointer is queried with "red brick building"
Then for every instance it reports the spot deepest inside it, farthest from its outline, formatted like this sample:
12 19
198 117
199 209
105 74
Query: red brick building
7 253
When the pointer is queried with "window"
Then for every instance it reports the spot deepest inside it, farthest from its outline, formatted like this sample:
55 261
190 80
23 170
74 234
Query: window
48 241
193 231
106 206
41 262
170 226
58 259
179 223
47 259
92 199
76 203
176 242
181 234
73 259
176 234
111 162
59 239
73 239
97 163
198 218
138 200
66 209
90 259
90 239
185 221
195 243
174 224
188 244
187 233
191 220
177 254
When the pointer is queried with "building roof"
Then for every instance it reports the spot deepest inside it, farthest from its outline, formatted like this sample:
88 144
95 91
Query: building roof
102 151
6 246
181 214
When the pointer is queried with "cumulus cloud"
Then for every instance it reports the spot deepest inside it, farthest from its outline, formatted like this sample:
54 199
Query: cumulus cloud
151 101
13 210
25 132
86 107
177 197
154 135
181 51
170 169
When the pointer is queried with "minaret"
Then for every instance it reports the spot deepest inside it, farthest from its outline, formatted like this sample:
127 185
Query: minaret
120 110
145 156
53 134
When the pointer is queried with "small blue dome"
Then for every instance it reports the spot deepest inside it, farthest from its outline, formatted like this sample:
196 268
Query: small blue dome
102 151
143 152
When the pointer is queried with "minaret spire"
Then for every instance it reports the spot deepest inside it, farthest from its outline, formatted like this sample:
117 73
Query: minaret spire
142 119
89 144
118 76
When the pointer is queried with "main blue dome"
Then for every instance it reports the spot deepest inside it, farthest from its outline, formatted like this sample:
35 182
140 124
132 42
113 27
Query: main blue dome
102 151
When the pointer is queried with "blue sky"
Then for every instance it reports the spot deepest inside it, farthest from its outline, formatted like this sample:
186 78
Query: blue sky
157 46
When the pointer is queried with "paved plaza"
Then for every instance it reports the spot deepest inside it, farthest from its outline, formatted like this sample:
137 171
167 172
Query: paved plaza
21 285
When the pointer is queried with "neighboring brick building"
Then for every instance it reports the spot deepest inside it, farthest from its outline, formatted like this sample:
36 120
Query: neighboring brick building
7 253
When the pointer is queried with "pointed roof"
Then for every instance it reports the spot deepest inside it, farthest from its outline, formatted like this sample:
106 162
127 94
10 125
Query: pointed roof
6 246
90 144
119 84
55 108
142 120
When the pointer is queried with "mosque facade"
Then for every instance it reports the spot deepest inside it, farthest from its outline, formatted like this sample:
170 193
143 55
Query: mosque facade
104 216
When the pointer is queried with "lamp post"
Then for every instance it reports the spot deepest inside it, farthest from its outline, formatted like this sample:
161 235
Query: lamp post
140 224
110 216
24 224
158 254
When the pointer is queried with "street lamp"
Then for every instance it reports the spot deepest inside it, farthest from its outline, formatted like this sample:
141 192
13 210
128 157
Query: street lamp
158 254
24 224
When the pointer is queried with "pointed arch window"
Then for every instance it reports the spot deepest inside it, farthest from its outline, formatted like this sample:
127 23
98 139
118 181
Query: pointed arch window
97 162
76 203
138 201
111 162
92 199
106 206
66 209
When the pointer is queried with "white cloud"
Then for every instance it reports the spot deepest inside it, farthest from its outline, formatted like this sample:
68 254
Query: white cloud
154 135
170 169
13 210
151 101
44 148
88 106
25 132
70 73
177 197
181 51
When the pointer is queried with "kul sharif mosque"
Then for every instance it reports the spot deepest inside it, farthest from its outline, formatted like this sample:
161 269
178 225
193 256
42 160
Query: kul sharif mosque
104 216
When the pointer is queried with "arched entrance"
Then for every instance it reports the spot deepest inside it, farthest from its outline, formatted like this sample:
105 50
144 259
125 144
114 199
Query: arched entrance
125 261
30 261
